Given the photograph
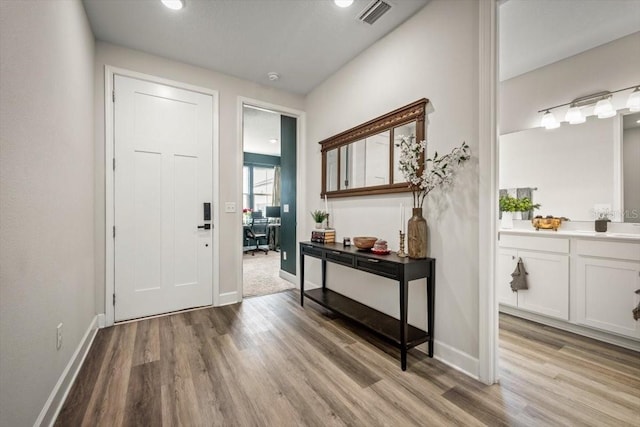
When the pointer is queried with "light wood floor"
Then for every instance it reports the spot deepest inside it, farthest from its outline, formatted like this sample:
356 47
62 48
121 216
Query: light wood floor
268 362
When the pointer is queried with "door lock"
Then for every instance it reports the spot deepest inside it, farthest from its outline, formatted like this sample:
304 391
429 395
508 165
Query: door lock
206 226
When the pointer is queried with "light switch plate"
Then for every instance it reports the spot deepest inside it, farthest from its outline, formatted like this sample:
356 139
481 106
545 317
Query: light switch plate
229 207
285 208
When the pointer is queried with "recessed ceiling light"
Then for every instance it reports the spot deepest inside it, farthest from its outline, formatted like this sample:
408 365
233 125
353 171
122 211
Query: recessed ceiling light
343 3
273 76
273 140
173 4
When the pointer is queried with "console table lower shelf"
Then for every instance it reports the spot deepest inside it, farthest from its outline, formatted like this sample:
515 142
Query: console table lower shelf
391 266
372 319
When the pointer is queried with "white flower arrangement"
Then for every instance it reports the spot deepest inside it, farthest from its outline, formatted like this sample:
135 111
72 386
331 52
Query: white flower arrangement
433 172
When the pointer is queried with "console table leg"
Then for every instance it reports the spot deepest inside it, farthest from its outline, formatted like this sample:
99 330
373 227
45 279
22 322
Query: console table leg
404 326
431 304
324 274
301 279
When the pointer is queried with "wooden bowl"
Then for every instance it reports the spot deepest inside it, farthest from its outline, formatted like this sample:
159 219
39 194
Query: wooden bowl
548 223
364 242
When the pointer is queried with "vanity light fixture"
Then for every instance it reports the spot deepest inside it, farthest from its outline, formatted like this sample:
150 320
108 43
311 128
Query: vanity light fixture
173 4
549 121
603 107
343 3
633 103
574 115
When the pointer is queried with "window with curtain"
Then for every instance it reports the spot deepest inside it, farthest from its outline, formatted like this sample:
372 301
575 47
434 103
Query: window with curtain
257 187
262 188
246 194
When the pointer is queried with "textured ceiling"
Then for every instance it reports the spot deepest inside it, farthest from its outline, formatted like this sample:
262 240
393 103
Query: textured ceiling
535 33
305 41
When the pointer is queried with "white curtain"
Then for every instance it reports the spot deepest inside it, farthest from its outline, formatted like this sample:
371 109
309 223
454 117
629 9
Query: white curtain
275 199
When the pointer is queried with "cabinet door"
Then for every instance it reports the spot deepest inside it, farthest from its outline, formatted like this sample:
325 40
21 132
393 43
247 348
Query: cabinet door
548 282
606 294
506 264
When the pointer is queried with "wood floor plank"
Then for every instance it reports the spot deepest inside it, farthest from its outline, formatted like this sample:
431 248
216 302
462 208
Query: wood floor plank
268 362
78 399
144 397
108 401
147 346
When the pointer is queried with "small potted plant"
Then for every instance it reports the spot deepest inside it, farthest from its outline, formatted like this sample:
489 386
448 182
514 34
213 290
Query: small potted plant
319 217
601 222
512 208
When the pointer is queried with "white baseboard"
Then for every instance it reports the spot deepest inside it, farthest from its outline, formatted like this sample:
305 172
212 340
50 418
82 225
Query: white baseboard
289 277
102 320
59 393
572 327
228 298
455 358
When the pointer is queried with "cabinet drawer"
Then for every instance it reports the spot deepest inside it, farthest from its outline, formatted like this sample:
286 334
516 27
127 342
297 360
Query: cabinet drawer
619 250
535 243
376 266
311 251
339 258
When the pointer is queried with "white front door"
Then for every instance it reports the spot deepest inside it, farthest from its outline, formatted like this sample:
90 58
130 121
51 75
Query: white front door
163 175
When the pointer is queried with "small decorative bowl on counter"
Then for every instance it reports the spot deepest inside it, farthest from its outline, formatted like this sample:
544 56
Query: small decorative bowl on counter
548 223
364 243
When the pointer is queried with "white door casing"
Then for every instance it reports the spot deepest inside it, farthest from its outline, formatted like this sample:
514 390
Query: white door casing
164 173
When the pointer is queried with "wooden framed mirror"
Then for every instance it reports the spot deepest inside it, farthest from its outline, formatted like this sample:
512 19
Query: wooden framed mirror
364 160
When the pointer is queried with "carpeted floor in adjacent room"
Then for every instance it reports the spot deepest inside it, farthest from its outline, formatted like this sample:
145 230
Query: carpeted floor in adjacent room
261 274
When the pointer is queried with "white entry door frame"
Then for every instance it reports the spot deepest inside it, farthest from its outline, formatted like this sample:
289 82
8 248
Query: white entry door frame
110 73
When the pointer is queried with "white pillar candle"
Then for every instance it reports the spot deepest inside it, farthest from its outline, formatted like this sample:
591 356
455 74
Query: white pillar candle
401 217
326 205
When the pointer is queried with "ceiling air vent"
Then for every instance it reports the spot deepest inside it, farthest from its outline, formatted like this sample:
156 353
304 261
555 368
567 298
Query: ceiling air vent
374 11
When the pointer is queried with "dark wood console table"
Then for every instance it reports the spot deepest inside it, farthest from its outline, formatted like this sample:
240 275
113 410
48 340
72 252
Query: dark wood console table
390 266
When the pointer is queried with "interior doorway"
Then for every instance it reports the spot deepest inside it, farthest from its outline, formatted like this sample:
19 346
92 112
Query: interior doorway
268 199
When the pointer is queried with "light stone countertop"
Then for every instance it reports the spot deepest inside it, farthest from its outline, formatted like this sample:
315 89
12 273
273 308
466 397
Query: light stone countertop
609 235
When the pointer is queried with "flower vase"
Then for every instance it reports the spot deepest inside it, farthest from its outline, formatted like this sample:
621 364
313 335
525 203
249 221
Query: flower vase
318 225
507 220
517 215
417 235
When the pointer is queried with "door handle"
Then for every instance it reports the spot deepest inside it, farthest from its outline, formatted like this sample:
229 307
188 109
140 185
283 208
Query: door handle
206 226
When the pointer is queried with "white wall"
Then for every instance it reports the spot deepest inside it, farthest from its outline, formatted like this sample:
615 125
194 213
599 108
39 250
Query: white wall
631 170
46 198
610 67
434 55
229 88
572 166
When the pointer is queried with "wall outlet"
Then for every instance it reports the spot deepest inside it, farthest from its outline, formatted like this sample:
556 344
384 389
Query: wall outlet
59 336
284 255
230 207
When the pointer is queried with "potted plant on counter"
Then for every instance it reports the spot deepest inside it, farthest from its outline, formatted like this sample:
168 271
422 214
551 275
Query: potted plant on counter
512 208
319 217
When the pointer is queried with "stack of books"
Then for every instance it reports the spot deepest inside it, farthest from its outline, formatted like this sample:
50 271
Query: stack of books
323 235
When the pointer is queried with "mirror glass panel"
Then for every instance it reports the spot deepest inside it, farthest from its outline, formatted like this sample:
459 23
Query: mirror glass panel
364 160
405 130
376 166
332 170
631 167
352 165
577 171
